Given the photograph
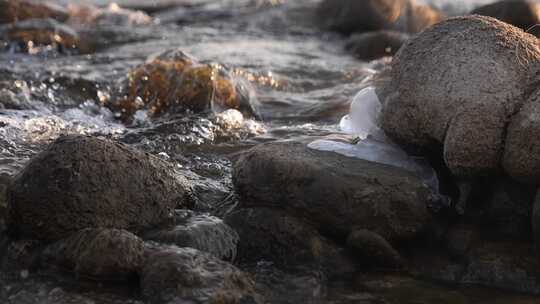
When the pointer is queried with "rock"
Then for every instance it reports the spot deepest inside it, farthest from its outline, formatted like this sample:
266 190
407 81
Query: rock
16 255
460 238
85 182
97 253
174 82
377 44
418 17
178 275
336 193
19 10
510 266
536 222
288 242
373 250
31 35
521 159
520 13
112 15
438 95
504 207
348 16
202 232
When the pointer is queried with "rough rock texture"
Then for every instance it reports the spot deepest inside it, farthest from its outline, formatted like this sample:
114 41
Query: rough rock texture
174 82
439 95
97 253
18 10
349 16
273 235
520 13
202 232
186 275
522 149
85 182
377 44
336 193
372 249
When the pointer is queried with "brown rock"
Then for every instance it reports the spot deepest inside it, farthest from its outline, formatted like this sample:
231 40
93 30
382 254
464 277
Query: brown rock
337 193
97 253
373 250
18 10
186 275
174 82
438 94
84 182
520 13
349 16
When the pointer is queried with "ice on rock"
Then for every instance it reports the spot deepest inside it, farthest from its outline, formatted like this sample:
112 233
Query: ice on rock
381 152
364 115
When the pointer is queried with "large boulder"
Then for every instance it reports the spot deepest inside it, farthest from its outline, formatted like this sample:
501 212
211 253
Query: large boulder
18 10
520 13
337 193
97 253
186 275
438 95
85 182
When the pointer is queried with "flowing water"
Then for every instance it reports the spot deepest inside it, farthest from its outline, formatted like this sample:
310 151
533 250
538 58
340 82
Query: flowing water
303 81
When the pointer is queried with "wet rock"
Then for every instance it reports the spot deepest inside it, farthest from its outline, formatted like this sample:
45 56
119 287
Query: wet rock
377 44
338 194
174 82
288 242
521 158
511 266
173 275
520 13
372 249
39 35
19 10
111 15
85 182
97 253
438 95
348 16
202 232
